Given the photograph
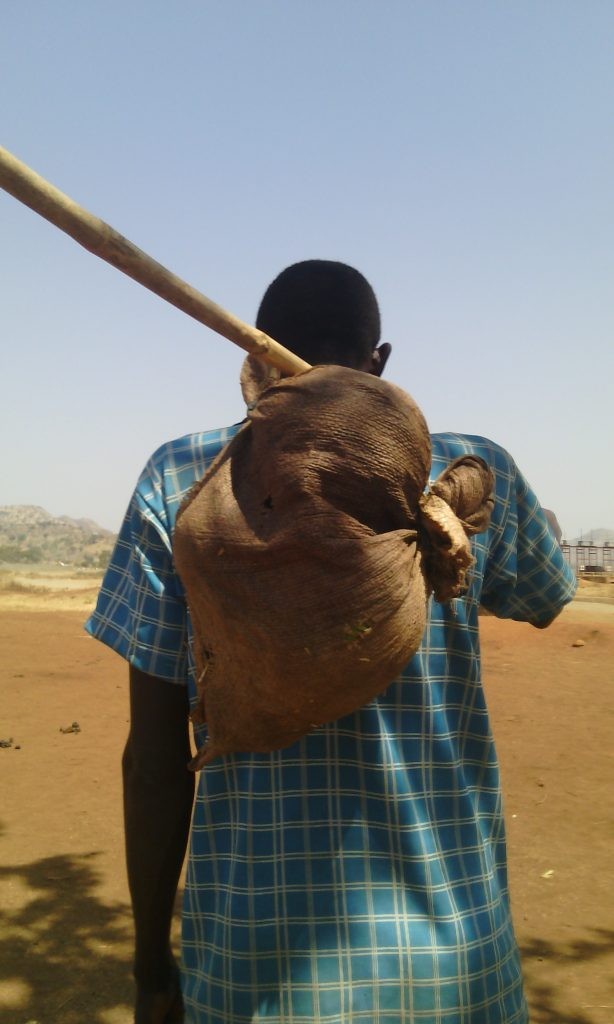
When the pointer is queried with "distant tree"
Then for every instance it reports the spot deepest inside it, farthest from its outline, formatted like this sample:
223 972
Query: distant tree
10 553
104 557
14 553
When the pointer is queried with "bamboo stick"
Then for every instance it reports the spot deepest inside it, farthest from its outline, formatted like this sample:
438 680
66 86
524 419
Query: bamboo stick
102 240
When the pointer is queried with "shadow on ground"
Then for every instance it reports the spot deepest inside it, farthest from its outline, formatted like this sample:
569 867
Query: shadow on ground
546 963
64 955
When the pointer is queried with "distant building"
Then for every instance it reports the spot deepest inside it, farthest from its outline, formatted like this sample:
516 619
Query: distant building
587 559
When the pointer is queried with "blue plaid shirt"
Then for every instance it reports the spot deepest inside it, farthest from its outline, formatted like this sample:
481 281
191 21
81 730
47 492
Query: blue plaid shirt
359 875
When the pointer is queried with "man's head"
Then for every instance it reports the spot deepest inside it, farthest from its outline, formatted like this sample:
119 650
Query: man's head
325 312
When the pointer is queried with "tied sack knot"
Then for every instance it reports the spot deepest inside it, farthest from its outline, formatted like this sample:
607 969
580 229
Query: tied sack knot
458 505
255 378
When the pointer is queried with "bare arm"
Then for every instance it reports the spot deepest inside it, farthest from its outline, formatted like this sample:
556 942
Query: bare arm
158 795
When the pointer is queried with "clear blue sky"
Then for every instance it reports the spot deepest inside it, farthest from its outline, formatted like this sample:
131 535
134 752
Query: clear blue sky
460 154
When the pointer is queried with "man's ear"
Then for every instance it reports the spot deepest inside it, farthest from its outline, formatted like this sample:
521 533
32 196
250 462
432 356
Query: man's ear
379 359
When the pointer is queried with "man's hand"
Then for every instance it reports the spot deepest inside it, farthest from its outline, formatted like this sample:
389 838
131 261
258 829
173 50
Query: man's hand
160 1007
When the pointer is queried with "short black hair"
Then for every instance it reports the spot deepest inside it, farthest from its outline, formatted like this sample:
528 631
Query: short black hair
323 311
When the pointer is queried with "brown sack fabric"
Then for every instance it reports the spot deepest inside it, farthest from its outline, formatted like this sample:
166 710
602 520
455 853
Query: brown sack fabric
308 553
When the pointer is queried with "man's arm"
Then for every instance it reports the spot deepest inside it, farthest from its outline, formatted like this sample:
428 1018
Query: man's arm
554 525
526 576
158 795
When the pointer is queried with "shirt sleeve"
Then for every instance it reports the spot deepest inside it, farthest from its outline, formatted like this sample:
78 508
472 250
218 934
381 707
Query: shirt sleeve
141 610
526 576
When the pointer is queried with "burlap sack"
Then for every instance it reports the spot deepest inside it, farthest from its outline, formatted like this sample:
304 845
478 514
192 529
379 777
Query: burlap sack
308 553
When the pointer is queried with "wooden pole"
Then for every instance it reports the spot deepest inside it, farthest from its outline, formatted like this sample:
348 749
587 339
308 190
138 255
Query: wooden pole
102 240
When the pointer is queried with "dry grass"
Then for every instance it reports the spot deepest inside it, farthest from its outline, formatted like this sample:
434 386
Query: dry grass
10 585
48 588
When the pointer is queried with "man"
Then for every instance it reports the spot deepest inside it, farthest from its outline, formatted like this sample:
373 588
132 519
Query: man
359 875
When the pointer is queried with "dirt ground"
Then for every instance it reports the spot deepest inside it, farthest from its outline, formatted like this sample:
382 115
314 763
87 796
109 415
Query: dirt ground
64 918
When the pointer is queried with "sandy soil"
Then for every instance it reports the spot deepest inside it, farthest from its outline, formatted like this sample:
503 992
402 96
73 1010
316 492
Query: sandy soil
64 919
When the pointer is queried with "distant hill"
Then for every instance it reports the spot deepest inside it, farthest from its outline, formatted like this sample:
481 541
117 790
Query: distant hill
29 534
596 537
